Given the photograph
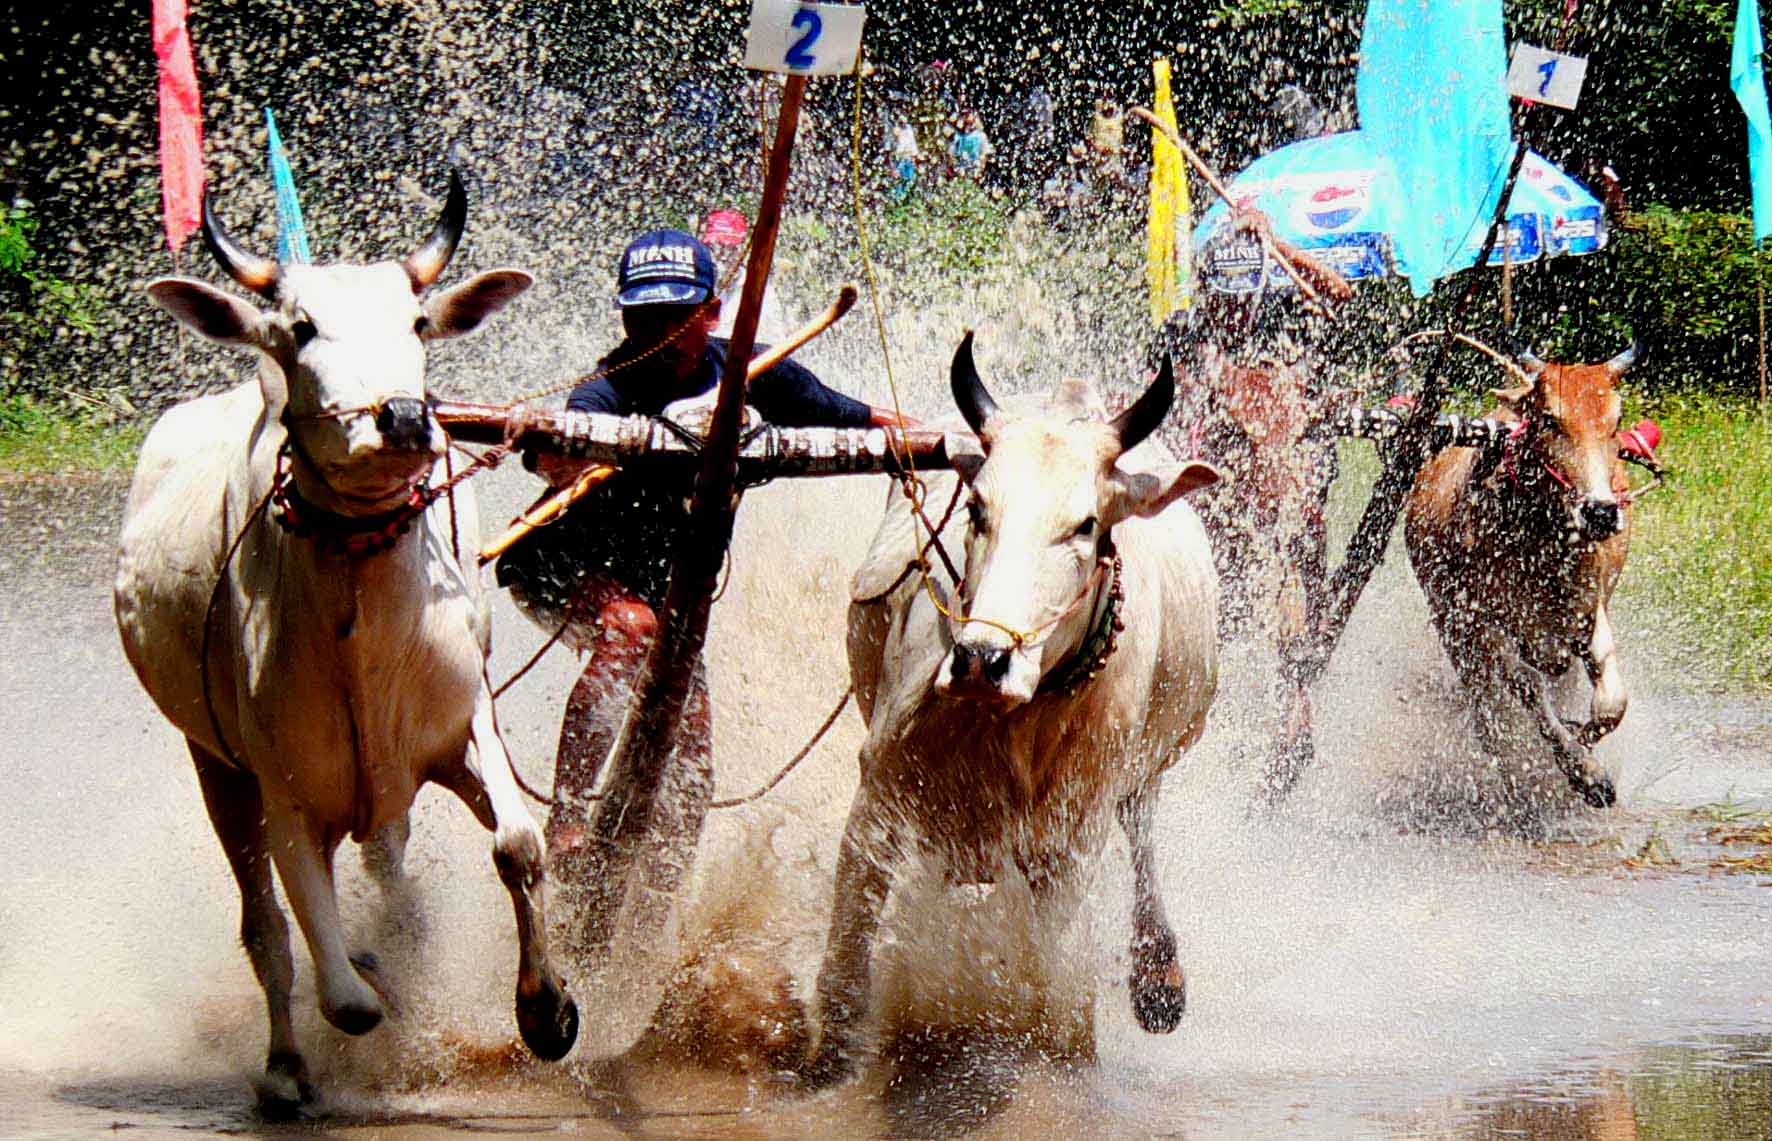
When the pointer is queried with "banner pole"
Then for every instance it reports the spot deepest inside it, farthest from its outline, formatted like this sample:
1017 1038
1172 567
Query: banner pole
1760 281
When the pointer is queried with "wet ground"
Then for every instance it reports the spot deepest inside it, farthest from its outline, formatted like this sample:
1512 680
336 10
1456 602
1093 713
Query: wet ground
1421 944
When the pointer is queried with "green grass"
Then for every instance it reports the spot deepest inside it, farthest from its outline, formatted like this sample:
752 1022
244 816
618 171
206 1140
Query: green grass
39 439
1701 557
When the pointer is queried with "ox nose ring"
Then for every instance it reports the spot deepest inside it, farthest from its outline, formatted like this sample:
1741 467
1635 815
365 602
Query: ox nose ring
404 423
1599 519
988 664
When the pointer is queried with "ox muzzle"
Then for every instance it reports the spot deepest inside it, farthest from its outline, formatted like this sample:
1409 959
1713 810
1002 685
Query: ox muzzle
977 670
404 424
1598 519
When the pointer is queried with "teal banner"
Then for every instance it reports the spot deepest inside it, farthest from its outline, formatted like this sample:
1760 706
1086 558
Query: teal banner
1432 94
292 234
1747 77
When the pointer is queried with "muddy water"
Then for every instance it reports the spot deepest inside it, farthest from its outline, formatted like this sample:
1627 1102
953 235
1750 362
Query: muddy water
1385 957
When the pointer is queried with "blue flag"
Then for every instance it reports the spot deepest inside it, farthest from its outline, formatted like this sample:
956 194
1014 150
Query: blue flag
292 234
1747 77
1432 93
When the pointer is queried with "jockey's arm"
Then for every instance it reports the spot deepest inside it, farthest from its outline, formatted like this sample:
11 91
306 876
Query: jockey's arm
887 418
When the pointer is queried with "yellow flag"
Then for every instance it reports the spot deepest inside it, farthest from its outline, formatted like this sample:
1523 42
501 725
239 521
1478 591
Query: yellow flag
1169 256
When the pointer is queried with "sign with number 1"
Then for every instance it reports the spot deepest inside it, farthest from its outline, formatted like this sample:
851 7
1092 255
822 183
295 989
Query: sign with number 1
1546 76
804 39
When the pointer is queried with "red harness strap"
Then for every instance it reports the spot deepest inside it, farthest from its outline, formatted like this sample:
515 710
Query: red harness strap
354 538
1511 446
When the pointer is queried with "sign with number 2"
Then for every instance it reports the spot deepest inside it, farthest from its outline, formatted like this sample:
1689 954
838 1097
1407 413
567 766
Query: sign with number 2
799 38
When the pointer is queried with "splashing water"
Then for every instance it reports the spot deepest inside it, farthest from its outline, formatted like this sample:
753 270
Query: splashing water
1381 956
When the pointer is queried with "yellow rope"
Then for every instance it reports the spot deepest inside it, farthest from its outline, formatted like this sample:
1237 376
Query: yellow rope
912 485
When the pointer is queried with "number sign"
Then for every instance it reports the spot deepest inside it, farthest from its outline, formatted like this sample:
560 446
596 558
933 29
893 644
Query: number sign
1546 76
804 39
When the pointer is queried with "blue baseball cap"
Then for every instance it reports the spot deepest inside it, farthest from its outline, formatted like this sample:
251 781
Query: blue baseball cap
665 267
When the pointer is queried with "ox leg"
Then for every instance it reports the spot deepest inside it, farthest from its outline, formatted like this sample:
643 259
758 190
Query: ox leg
384 857
1607 678
864 876
1157 983
236 809
546 1015
1573 758
304 861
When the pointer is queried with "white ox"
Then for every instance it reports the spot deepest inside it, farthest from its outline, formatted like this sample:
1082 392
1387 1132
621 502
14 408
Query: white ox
1006 740
323 648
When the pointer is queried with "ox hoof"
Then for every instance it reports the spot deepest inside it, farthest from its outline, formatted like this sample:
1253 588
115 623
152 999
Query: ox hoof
283 1088
1600 793
1159 993
548 1022
354 1017
351 1003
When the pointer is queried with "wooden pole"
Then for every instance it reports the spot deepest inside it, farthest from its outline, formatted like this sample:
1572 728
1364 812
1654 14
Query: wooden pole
1413 448
1760 280
178 327
648 734
1218 186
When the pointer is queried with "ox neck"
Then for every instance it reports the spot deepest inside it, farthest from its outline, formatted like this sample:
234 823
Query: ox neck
351 537
1104 633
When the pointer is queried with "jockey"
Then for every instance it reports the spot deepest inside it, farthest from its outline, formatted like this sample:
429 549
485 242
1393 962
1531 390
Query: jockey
599 573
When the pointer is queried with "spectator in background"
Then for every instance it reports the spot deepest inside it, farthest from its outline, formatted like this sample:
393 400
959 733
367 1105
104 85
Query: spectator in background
1107 141
970 149
1067 191
1041 133
905 154
932 108
1293 113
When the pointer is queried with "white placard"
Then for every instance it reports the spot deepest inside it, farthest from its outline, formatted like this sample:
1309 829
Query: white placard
1546 76
797 38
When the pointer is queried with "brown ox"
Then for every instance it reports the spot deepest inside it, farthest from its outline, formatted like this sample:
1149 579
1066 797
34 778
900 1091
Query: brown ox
1084 670
1518 554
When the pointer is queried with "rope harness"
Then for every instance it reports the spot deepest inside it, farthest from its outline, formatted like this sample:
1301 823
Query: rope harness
1099 645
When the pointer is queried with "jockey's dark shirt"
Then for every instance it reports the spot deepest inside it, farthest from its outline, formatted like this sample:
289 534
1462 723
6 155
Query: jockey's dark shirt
625 528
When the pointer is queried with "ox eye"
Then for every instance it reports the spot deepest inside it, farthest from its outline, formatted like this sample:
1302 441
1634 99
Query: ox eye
421 326
1084 529
303 330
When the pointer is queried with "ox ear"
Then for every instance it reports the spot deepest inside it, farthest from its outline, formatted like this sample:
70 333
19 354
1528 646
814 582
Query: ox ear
461 309
1147 493
224 319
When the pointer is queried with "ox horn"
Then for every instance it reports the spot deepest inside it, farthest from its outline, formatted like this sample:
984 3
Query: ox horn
1147 412
427 263
1621 363
256 272
969 391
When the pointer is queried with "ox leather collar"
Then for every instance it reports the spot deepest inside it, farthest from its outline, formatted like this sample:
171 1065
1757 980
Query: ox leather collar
1098 646
352 536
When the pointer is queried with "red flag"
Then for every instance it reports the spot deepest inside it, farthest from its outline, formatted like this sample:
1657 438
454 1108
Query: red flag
181 124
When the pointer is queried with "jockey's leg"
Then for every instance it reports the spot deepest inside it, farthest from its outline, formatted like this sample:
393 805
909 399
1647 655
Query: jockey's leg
1298 622
618 627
